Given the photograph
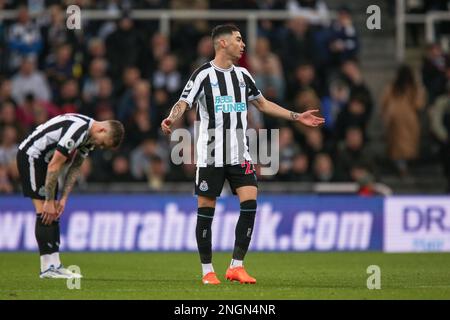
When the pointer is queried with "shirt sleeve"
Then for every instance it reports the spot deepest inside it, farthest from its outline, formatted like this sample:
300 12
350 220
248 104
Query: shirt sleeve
192 88
72 138
253 91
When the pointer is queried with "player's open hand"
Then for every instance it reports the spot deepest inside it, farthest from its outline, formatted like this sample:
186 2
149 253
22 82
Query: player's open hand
49 212
165 126
309 119
60 205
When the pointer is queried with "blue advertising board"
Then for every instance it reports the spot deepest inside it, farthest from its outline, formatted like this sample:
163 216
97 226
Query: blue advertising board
167 223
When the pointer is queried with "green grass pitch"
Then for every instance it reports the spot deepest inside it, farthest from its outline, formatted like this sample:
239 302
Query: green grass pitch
176 276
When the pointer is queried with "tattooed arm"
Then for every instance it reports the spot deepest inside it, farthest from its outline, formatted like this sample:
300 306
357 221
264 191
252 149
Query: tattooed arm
72 175
177 111
272 109
69 182
53 170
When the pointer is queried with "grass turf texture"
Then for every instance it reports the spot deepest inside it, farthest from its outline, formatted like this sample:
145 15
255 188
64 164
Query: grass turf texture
279 276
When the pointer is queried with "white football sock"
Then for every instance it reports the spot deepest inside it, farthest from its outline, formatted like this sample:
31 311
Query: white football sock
236 263
55 259
46 262
207 268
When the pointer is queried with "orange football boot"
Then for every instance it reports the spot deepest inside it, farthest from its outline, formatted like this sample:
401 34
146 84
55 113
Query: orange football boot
210 278
239 274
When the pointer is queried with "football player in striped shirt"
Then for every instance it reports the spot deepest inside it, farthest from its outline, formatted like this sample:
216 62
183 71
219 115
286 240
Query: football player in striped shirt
65 140
222 92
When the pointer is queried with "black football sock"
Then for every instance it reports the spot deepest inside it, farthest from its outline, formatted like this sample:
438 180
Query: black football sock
47 236
203 233
244 229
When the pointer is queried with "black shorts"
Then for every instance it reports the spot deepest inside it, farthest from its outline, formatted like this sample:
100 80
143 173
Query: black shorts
209 180
32 175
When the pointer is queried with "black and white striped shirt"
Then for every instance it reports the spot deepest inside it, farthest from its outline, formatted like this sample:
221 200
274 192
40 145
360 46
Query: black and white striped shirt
65 133
222 97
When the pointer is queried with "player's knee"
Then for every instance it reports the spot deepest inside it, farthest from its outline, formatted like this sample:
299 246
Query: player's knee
206 202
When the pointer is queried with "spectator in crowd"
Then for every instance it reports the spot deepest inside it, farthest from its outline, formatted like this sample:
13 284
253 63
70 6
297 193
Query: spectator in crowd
121 169
124 46
6 185
344 43
8 117
297 45
69 101
24 39
55 34
355 114
166 82
141 100
434 71
8 151
401 102
140 158
288 149
6 92
97 70
103 104
304 78
131 76
29 80
59 69
323 168
3 44
353 76
300 169
314 143
96 49
186 171
334 103
440 128
141 125
156 173
315 11
158 47
365 180
34 111
353 153
205 52
102 162
268 71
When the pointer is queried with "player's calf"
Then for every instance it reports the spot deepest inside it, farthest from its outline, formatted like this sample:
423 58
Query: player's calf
244 229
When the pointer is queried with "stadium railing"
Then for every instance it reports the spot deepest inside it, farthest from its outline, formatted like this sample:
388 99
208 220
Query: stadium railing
428 20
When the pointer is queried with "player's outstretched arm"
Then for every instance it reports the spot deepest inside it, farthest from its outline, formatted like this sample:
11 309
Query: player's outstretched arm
53 170
272 109
177 111
69 182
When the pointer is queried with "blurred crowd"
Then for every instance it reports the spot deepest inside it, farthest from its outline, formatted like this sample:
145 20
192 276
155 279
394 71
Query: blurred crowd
125 69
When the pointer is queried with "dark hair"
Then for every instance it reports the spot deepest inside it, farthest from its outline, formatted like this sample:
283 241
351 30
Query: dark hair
117 132
223 29
404 80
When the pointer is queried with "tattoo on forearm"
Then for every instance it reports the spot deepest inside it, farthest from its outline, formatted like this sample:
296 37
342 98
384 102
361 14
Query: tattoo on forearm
294 115
176 112
72 176
50 184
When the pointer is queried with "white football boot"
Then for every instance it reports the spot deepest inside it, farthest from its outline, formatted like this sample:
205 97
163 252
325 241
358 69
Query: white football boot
67 272
52 273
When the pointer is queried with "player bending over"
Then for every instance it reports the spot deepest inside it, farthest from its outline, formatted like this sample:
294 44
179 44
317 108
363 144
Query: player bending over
65 139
